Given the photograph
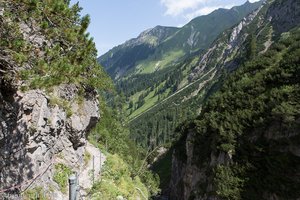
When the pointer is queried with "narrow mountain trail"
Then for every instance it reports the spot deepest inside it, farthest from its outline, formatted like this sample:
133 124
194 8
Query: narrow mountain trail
86 175
185 87
180 90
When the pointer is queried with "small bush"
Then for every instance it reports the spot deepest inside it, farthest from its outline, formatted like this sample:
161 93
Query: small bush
36 193
117 180
87 157
61 175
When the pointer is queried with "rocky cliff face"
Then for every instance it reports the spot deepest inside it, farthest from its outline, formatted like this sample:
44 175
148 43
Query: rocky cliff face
37 133
185 174
41 127
226 48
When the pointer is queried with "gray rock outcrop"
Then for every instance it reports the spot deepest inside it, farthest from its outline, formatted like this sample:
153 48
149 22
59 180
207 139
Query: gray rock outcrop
37 132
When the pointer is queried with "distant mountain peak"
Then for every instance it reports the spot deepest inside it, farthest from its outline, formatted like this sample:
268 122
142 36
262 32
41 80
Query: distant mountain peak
157 48
158 31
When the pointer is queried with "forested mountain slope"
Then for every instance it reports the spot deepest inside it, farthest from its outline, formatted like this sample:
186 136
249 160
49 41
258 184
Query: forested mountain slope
245 143
194 79
170 94
252 37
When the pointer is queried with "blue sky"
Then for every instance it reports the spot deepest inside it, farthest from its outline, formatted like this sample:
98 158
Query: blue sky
115 21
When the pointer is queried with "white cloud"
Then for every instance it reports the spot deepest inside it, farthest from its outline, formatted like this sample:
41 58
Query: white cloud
201 11
177 7
189 9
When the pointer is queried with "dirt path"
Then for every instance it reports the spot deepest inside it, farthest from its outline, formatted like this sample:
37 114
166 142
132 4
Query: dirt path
164 100
85 176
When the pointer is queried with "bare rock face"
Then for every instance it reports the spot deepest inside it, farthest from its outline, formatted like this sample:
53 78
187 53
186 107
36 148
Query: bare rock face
220 53
185 172
79 123
37 133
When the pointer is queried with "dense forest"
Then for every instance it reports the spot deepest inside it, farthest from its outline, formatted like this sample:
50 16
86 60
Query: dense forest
253 122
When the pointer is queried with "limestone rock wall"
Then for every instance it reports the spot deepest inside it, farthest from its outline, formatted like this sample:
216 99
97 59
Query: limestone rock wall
37 133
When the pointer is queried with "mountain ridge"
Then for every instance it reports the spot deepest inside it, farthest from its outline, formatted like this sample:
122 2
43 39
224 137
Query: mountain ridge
203 71
194 36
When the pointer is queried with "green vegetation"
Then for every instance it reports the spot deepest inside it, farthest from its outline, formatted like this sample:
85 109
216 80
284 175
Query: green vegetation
112 136
62 103
61 175
248 122
117 180
153 73
156 126
36 193
227 182
87 157
150 65
162 168
153 108
253 117
67 55
154 111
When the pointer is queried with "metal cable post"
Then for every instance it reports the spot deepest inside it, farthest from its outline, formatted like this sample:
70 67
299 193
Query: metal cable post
93 169
100 165
72 187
